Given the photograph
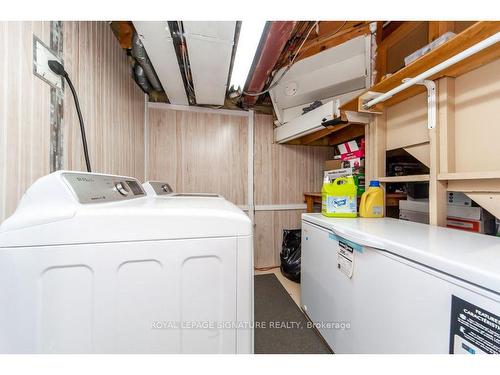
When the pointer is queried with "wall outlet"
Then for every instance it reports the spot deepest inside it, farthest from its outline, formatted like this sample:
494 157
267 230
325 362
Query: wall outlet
41 55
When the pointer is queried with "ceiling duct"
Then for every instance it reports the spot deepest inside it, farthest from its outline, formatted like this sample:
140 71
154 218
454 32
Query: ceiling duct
210 49
142 58
157 41
141 79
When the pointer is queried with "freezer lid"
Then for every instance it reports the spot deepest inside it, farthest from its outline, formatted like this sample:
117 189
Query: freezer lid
471 257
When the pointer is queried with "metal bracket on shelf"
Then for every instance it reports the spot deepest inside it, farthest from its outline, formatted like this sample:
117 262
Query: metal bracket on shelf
431 101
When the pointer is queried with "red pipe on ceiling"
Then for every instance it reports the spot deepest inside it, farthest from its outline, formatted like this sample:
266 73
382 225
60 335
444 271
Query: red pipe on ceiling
278 34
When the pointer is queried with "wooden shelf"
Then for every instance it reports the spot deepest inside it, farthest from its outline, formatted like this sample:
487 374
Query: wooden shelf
331 135
469 176
470 36
398 179
391 199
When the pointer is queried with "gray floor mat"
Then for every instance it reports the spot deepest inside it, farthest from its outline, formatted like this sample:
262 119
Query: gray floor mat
274 308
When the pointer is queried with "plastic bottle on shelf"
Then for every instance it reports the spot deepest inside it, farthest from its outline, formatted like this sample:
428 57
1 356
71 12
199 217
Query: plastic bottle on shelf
339 197
372 201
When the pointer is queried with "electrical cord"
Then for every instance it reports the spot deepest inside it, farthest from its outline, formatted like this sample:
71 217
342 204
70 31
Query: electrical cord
58 69
330 35
184 57
82 126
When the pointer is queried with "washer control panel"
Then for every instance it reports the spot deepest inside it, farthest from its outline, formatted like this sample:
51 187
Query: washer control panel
161 188
97 188
122 188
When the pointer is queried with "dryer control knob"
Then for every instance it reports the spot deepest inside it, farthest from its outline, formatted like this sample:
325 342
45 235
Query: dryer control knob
120 187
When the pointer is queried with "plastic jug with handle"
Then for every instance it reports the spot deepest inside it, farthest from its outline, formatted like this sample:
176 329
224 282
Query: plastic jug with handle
339 197
372 201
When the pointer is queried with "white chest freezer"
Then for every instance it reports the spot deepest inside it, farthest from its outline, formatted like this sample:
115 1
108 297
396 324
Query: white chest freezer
89 264
392 286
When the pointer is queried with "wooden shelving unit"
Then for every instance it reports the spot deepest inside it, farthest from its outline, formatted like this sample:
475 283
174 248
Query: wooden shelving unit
391 200
401 179
331 135
467 38
482 187
469 176
459 43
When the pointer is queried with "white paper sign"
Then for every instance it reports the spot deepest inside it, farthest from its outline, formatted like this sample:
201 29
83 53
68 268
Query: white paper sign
345 258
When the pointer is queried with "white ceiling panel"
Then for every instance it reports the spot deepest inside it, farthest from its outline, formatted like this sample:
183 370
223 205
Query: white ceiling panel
156 38
210 46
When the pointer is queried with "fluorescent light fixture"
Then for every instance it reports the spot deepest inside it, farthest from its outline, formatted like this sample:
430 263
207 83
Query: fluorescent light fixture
248 41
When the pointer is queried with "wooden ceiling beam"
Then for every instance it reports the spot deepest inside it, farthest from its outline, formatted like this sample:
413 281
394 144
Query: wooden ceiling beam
346 134
329 40
123 30
310 138
390 28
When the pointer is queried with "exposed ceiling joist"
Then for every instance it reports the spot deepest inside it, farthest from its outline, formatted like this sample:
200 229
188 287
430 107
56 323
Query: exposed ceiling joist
330 38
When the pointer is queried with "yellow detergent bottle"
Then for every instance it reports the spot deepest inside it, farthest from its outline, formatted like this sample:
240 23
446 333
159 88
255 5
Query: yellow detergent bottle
372 201
339 198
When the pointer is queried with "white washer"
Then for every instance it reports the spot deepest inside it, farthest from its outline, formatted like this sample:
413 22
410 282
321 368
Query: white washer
159 189
89 264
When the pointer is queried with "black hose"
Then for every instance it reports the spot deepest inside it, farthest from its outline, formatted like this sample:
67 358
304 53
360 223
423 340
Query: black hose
82 126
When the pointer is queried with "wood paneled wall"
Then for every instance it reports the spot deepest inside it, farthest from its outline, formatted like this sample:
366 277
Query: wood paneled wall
112 106
24 113
282 173
198 152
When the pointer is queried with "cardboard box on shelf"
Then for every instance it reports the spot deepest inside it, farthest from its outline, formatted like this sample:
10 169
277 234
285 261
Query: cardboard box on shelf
333 164
351 146
347 147
336 173
352 156
357 163
414 210
415 216
414 205
472 219
428 47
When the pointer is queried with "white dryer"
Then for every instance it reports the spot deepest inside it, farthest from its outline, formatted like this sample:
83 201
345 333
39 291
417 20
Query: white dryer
89 264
